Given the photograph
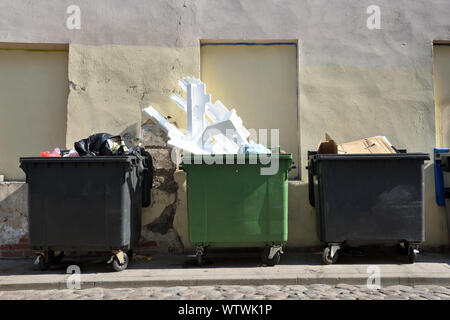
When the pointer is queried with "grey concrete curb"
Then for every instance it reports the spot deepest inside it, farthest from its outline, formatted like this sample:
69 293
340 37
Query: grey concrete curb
390 280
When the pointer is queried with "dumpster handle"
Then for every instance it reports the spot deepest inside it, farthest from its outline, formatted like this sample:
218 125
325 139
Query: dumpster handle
311 188
310 168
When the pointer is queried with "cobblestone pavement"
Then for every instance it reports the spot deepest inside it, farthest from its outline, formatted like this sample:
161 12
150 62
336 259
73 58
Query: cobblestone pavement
267 292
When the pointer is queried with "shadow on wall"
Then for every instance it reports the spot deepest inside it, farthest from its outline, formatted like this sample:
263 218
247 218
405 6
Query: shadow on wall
436 234
158 233
302 218
13 214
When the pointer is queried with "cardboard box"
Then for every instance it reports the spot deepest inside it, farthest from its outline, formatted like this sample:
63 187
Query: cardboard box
377 144
328 146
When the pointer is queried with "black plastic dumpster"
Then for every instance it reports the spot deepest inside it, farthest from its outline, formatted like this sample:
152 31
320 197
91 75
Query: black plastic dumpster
85 204
368 198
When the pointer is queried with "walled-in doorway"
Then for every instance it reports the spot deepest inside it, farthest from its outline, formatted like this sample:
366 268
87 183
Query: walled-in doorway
259 80
442 93
33 104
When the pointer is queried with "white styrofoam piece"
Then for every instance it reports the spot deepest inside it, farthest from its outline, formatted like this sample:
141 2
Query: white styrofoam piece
179 101
216 111
186 145
233 122
196 100
171 130
205 136
221 145
223 127
182 85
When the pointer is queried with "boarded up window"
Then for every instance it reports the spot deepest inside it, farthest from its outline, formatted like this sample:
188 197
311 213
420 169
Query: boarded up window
442 94
33 105
259 80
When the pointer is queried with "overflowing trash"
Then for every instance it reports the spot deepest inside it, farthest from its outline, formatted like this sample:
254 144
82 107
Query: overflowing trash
55 153
211 127
105 144
71 153
372 145
100 144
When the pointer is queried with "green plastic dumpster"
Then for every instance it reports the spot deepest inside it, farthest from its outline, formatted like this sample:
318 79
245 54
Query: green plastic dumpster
233 204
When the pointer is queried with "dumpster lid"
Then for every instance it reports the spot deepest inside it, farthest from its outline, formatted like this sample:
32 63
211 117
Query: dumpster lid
246 156
373 156
98 159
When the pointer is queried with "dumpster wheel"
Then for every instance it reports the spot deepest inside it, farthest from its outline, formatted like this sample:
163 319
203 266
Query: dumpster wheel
412 252
55 257
271 256
200 253
326 256
117 265
41 262
200 260
402 248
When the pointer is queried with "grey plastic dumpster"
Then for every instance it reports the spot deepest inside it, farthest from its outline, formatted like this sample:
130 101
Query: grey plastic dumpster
84 204
367 198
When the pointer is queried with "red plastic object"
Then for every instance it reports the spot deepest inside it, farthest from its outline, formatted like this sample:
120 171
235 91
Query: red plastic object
49 154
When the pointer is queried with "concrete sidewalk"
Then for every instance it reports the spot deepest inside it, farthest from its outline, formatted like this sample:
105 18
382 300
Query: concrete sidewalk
230 269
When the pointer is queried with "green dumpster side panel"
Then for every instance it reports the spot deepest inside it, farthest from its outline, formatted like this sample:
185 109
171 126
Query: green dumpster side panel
233 205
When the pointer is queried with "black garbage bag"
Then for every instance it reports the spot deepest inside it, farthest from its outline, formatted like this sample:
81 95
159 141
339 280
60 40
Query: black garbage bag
100 144
145 164
148 178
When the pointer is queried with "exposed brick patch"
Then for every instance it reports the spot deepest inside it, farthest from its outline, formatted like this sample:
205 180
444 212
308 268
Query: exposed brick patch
16 253
29 253
14 246
23 240
155 147
12 253
160 233
20 246
16 250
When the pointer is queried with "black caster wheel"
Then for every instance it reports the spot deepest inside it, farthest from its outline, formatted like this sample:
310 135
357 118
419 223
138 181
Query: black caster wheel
326 256
402 248
56 259
200 260
42 264
200 254
116 264
270 262
412 256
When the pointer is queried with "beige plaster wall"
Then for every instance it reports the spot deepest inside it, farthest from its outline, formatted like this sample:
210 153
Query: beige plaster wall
111 83
33 105
353 81
442 93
